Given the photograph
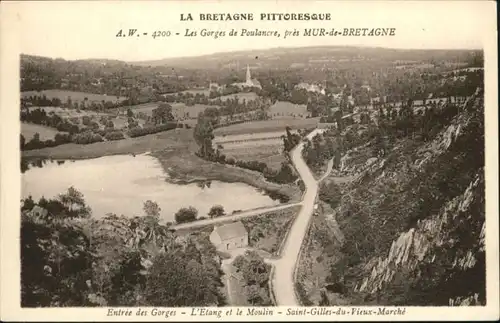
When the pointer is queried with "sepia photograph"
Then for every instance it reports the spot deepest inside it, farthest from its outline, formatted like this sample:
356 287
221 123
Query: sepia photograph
282 162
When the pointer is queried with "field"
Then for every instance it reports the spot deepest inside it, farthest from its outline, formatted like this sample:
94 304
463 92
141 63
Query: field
197 91
266 126
169 139
179 110
121 122
75 96
247 96
287 109
270 154
146 108
28 130
182 111
70 113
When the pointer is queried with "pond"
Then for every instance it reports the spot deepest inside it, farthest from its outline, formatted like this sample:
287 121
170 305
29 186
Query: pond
121 184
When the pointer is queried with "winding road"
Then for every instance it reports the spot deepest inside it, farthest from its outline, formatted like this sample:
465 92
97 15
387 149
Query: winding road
283 280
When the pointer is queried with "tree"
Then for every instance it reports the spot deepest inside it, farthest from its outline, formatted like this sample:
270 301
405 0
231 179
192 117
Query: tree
110 124
55 264
151 208
128 281
86 120
74 202
189 282
216 211
27 204
186 215
203 132
330 193
162 113
253 294
36 137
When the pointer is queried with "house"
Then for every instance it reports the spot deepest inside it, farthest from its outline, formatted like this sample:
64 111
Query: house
311 87
229 236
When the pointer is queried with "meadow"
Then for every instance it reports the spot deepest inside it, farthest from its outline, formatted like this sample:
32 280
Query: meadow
266 126
75 96
247 96
288 109
179 110
28 130
272 155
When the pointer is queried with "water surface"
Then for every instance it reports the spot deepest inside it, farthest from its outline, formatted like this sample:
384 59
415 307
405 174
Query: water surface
121 184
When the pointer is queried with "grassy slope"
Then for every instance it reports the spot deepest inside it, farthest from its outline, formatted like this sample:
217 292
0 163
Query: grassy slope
28 130
269 154
267 231
266 126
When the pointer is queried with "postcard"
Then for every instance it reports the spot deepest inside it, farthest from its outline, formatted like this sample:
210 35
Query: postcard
249 160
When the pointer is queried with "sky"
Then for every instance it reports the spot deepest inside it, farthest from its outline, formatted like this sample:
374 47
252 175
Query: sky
87 29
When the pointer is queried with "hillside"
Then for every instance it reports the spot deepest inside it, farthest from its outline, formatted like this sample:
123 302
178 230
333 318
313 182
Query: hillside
412 221
284 57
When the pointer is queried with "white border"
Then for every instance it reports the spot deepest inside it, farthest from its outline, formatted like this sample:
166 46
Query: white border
11 23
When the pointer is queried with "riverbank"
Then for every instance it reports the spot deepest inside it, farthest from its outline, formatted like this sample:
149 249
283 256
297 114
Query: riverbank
175 150
183 166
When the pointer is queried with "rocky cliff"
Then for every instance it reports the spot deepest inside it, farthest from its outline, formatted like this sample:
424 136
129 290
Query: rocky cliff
414 219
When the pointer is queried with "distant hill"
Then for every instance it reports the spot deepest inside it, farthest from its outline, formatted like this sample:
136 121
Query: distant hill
283 57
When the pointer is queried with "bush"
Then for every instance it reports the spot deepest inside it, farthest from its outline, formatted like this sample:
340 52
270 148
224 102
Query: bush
186 215
216 211
330 193
114 135
137 132
86 120
36 143
87 137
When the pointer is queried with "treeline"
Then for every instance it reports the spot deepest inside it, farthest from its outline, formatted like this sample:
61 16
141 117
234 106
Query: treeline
85 104
69 258
101 77
381 129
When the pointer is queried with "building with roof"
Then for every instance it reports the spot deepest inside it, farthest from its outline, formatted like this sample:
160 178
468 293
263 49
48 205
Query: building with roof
229 236
316 88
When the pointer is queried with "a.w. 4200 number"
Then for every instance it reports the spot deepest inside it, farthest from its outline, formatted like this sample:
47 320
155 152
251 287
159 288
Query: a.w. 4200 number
161 34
